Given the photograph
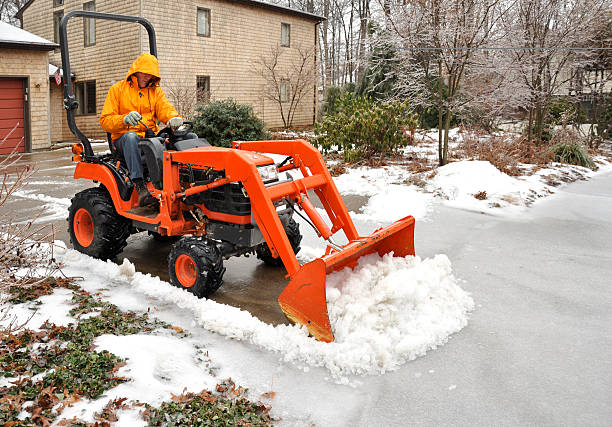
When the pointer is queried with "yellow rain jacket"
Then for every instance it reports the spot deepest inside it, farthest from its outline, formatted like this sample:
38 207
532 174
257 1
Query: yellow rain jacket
125 96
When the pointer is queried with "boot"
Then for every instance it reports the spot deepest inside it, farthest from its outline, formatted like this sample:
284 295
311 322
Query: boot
144 197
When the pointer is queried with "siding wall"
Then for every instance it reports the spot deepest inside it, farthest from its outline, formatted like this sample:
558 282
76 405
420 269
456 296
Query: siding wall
59 125
240 36
32 64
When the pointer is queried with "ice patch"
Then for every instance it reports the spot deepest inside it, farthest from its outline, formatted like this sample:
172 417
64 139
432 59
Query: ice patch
385 312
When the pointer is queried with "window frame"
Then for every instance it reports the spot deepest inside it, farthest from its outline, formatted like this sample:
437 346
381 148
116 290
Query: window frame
200 79
208 14
288 27
56 21
284 83
81 111
58 3
88 23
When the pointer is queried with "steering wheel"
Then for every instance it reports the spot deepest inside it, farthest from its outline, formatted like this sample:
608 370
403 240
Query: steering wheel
175 135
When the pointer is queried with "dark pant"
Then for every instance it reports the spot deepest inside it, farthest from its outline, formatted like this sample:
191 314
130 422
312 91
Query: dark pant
127 145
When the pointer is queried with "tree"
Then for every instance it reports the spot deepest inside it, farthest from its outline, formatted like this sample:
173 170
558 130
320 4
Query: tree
447 37
546 33
8 9
287 82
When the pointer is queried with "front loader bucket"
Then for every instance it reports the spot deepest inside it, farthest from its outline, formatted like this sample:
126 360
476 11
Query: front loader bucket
303 300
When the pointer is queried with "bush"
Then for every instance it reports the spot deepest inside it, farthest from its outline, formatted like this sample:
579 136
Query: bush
572 153
222 122
331 96
364 128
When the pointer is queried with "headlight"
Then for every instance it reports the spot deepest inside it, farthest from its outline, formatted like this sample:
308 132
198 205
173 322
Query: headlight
268 172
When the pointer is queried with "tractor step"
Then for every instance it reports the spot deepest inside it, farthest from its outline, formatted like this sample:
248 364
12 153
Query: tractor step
147 211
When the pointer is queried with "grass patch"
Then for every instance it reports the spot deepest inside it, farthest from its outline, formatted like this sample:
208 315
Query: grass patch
227 406
572 153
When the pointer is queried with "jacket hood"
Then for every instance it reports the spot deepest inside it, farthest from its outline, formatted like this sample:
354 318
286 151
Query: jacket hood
145 63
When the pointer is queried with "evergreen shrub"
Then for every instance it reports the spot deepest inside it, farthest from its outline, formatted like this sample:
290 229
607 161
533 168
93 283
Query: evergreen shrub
222 122
363 128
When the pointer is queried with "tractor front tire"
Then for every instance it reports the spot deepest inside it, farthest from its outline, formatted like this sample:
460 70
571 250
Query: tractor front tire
95 227
292 229
196 265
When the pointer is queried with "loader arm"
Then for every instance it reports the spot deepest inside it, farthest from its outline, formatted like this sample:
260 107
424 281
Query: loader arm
304 299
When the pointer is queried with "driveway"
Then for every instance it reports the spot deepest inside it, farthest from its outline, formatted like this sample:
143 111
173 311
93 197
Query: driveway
536 351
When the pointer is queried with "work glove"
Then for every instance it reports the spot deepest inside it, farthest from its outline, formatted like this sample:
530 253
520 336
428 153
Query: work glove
131 118
175 122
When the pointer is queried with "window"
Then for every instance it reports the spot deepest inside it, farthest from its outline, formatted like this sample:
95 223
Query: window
85 93
284 91
203 22
57 3
89 25
285 35
57 17
203 89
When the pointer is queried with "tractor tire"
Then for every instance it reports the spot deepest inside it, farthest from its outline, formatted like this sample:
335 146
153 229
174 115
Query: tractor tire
95 227
196 265
292 229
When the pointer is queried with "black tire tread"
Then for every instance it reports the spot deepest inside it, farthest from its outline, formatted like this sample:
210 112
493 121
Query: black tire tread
111 230
207 258
292 229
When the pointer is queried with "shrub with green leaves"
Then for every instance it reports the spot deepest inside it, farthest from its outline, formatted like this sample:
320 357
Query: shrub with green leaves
572 153
364 128
222 122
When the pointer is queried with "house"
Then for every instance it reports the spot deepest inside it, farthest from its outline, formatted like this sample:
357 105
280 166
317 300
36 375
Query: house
24 90
207 49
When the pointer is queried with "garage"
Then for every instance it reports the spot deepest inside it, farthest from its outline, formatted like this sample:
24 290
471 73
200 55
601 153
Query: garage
24 90
12 115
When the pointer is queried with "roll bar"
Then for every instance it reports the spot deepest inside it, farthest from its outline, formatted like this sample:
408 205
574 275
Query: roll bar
70 102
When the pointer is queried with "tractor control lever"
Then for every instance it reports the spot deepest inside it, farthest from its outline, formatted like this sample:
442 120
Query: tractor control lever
149 132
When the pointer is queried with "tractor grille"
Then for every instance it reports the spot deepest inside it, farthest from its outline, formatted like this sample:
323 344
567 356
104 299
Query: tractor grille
227 199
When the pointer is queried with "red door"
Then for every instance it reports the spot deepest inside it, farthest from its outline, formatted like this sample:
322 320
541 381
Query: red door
12 115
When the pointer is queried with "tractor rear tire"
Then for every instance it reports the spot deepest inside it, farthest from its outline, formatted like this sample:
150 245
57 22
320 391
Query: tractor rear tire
196 265
292 229
95 227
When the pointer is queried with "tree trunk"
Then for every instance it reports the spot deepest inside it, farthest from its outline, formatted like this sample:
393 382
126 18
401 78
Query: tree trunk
440 109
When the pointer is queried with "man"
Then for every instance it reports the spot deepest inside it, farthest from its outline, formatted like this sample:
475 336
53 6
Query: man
129 102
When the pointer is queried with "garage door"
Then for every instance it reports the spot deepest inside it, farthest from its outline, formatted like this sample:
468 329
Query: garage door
11 114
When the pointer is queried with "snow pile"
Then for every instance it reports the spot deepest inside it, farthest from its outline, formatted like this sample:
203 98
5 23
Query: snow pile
390 197
384 313
459 182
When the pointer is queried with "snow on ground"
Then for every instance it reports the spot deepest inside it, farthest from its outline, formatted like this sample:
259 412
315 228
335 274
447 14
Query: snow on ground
390 196
385 312
458 184
53 208
157 366
53 308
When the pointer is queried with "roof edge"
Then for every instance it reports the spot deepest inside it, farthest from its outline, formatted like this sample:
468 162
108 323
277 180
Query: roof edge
27 45
254 3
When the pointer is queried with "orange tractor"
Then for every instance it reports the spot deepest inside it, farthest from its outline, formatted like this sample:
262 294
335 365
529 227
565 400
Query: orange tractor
221 202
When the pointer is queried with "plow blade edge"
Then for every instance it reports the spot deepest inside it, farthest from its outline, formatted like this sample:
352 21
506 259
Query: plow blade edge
303 300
